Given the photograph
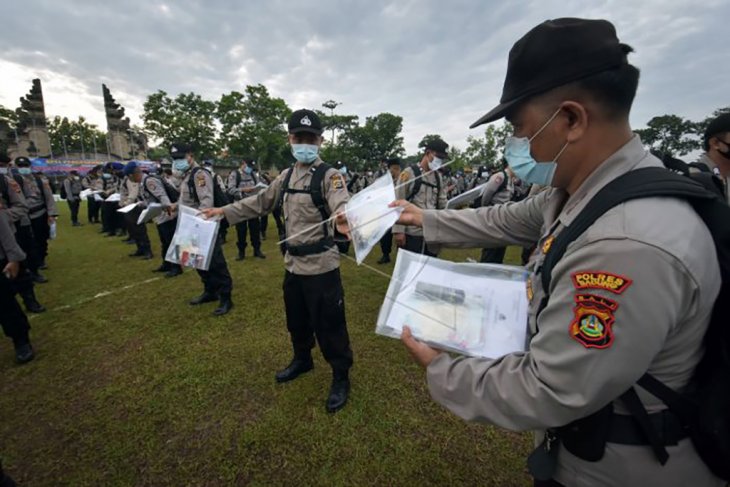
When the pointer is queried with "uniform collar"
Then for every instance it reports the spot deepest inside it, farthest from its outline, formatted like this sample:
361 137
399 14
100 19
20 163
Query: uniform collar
707 161
629 157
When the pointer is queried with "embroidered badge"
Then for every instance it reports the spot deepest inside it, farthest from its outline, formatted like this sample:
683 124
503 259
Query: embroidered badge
547 244
201 181
601 280
593 321
403 176
15 185
337 182
530 292
306 121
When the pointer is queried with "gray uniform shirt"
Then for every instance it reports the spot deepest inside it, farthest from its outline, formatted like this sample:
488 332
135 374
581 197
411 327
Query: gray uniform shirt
300 215
73 188
39 200
427 198
153 191
203 187
237 181
654 289
497 190
14 201
9 249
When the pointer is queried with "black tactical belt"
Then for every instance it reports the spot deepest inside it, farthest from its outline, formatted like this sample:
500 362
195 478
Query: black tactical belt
311 249
625 430
38 208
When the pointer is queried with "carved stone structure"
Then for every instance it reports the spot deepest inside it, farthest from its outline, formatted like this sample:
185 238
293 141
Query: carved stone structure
29 137
124 143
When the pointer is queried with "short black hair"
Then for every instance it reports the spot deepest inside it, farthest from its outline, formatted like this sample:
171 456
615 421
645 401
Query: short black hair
613 90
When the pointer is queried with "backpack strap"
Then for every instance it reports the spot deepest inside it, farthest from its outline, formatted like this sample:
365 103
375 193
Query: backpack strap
641 183
191 184
416 188
39 183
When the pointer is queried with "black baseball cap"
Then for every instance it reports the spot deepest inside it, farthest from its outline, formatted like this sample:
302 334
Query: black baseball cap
438 146
553 54
305 121
179 149
22 161
717 126
393 161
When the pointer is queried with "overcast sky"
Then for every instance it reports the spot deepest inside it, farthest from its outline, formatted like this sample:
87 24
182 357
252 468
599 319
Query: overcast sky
438 64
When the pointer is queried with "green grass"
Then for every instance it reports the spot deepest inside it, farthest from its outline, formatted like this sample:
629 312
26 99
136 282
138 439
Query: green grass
137 388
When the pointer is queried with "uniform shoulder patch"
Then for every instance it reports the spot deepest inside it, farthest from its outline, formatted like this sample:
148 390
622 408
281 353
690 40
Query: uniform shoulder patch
336 181
14 184
200 178
404 176
601 280
593 320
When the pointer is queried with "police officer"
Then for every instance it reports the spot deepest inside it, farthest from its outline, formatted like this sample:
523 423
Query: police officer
197 191
94 182
154 189
130 193
386 243
313 295
629 295
13 320
241 184
110 221
716 159
423 186
42 207
499 189
73 187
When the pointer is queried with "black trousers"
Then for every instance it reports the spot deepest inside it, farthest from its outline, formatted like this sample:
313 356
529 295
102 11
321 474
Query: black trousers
41 234
264 224
315 307
493 256
92 209
12 319
386 243
167 231
111 220
415 244
74 207
253 227
137 232
26 241
217 279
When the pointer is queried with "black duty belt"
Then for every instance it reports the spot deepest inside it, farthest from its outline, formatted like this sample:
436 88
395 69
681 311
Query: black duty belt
38 208
311 249
625 430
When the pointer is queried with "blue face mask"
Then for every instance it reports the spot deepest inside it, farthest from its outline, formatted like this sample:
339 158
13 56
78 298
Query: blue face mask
24 171
180 165
248 170
106 175
305 153
343 170
520 160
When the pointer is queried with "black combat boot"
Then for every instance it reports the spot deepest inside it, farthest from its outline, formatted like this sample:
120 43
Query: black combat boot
224 305
31 303
174 271
297 367
206 297
241 255
257 253
24 353
384 259
338 392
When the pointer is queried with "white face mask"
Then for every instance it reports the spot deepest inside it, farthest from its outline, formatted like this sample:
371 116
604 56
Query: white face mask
435 163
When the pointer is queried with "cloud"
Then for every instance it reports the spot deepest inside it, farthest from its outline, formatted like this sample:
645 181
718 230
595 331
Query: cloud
439 65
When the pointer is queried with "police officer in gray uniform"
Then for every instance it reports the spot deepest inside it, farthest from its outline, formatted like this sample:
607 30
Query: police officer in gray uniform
73 187
499 189
242 184
309 192
629 295
41 206
716 159
197 191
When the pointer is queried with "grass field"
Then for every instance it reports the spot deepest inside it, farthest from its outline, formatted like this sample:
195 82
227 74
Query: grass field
137 388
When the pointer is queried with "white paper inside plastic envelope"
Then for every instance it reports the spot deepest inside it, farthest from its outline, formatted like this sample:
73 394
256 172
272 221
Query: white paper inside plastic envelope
478 310
370 217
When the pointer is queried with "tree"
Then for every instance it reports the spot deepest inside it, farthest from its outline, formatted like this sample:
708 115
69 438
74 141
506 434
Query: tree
379 137
253 125
670 134
75 136
187 117
488 149
8 116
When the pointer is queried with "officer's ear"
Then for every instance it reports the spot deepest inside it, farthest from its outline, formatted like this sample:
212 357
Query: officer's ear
576 120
